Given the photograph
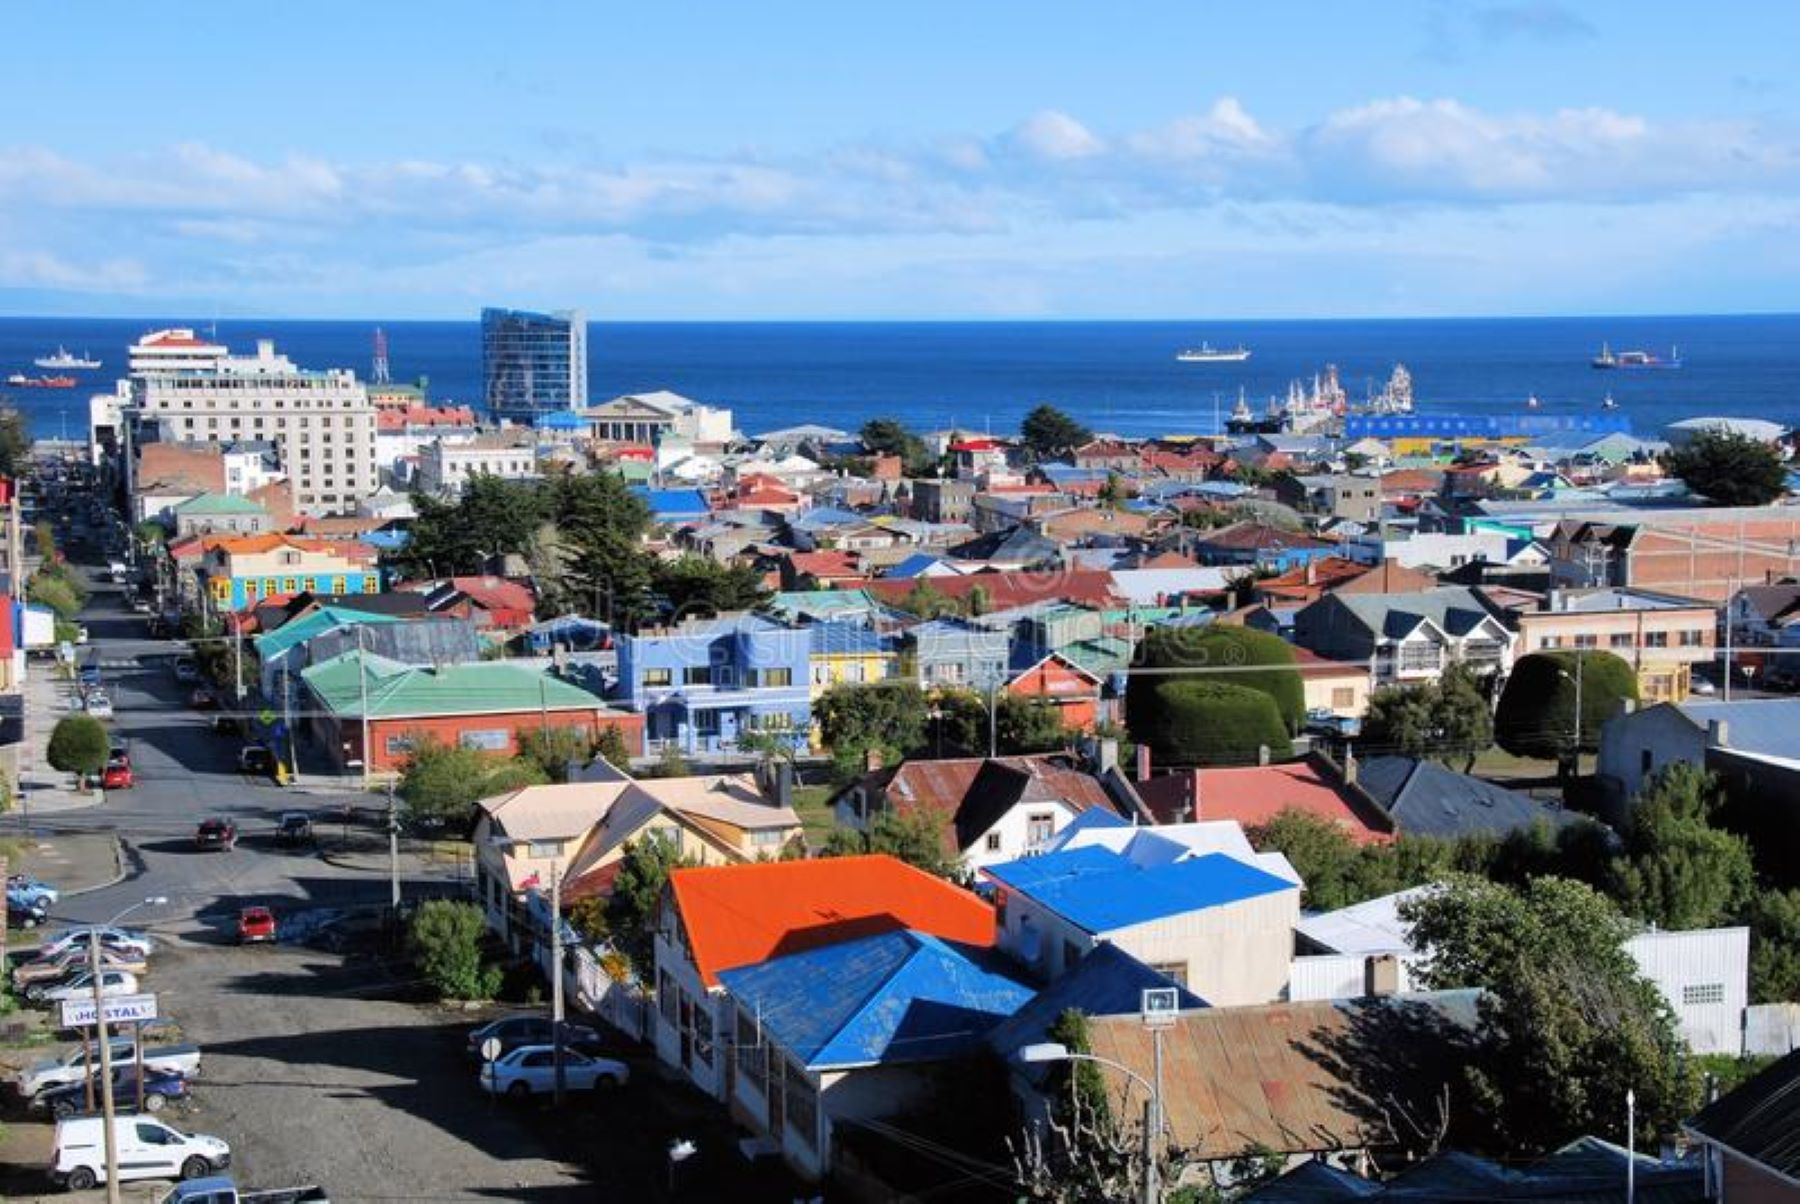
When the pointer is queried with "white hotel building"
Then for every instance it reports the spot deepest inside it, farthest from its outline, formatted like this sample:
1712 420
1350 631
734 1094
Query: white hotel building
322 423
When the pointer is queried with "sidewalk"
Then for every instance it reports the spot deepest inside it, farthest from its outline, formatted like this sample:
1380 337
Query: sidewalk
43 790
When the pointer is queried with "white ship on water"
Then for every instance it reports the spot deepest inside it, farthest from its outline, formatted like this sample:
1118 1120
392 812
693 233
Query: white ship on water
1206 353
63 360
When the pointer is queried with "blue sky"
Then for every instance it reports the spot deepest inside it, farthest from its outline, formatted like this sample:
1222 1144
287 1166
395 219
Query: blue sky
862 160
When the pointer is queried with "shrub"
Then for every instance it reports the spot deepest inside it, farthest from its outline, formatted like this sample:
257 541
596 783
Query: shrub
1224 655
1536 717
1209 723
445 940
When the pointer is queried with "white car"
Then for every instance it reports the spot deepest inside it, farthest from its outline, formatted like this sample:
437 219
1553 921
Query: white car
1700 685
531 1070
98 706
75 1064
110 938
147 1149
112 982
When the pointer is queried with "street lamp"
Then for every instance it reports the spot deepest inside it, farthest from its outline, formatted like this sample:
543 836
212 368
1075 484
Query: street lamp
1052 1051
106 1083
1580 660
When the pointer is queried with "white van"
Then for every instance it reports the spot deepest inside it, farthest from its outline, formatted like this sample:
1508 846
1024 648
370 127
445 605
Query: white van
148 1149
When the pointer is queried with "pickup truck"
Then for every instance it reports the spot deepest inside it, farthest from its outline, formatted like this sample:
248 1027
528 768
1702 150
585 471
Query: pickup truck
220 1189
73 1065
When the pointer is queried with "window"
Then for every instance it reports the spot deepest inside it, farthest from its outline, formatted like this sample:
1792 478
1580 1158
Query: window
724 677
1656 639
703 1034
399 746
767 838
821 675
992 844
337 585
1550 641
487 740
657 677
1175 972
697 675
371 585
752 1055
777 677
1587 641
1343 699
666 1000
1415 657
1039 828
1693 639
1619 639
543 850
706 722
290 585
1702 992
802 1106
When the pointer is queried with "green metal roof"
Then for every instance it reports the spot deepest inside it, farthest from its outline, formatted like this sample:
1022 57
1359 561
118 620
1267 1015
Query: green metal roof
397 691
318 622
821 601
1107 654
217 503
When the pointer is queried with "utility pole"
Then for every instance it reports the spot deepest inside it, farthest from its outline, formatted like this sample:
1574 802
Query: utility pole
237 656
1153 1123
362 682
5 870
393 848
556 975
106 1076
1630 1146
287 723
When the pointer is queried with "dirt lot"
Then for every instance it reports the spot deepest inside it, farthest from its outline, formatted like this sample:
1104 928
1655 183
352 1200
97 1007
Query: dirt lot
320 1069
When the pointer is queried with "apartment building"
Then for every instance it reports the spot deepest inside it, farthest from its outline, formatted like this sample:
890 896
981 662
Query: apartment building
447 464
321 422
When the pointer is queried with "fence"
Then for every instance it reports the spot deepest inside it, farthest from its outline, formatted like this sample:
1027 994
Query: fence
624 1005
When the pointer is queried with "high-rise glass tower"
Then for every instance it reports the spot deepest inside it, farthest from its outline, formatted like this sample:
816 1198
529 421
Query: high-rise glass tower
533 364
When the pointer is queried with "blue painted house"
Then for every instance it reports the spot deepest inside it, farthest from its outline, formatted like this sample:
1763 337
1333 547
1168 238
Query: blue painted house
954 654
703 685
847 1032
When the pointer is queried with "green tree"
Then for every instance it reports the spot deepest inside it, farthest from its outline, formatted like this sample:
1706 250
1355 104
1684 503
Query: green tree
1567 1024
632 909
920 838
442 783
1729 469
698 586
1112 491
552 750
1048 432
445 939
78 744
1536 717
1208 723
1238 656
612 748
43 539
886 715
492 517
927 601
885 436
1447 720
1774 919
669 763
56 593
1678 871
15 443
1086 1097
1028 725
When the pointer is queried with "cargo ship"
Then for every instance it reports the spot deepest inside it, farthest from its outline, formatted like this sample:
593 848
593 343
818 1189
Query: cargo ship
22 381
1206 353
1626 361
62 361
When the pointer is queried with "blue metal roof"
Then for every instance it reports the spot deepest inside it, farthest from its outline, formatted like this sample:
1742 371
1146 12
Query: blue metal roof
820 517
913 565
1106 982
880 1000
1100 890
847 639
674 503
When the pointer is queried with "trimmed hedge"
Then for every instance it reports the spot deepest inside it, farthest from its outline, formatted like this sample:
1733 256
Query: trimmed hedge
1227 648
1209 723
1536 717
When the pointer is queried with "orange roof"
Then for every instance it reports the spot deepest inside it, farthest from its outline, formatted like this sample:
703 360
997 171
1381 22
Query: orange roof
1257 794
740 915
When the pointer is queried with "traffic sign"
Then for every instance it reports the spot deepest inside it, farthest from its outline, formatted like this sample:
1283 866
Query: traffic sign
265 717
490 1049
120 1009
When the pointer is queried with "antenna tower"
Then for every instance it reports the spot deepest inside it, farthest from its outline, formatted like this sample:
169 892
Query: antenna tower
378 372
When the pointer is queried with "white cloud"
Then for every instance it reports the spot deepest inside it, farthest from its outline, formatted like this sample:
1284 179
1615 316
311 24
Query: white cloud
1055 138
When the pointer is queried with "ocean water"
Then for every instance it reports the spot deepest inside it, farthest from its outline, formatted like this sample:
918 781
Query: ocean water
1113 376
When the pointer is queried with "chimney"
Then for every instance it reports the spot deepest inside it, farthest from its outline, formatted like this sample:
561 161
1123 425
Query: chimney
1143 762
784 784
871 759
1349 766
1312 572
1107 754
1718 733
1382 974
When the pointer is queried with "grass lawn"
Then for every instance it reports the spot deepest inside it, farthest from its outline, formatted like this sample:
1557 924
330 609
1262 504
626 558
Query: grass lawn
1498 763
815 815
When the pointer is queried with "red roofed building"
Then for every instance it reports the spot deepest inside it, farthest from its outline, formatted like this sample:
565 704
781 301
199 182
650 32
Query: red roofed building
723 917
1114 455
1254 795
1003 591
1072 690
492 602
820 570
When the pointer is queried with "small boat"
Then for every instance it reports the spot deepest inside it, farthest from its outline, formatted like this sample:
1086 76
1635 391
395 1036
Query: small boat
42 382
1609 403
1206 353
17 378
1626 361
1532 403
63 361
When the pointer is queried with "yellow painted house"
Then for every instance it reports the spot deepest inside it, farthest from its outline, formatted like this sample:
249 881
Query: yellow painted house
850 654
238 573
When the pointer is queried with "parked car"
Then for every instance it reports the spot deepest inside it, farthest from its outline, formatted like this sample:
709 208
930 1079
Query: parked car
516 1032
203 699
97 705
1328 721
72 961
187 670
75 1063
216 833
1701 686
23 914
122 939
71 1098
531 1070
295 827
119 753
256 925
141 606
88 675
146 1149
32 889
256 759
81 986
117 777
221 1190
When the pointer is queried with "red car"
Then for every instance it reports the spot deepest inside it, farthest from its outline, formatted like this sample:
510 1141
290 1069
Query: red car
203 700
117 777
216 834
256 924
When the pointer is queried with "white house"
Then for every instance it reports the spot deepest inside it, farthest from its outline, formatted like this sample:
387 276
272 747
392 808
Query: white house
1191 901
1408 639
446 465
